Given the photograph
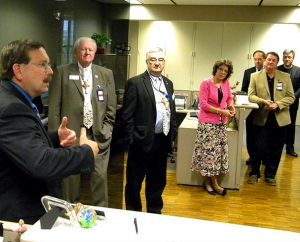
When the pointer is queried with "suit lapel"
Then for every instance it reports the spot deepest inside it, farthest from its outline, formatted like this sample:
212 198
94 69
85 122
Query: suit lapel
276 80
169 91
167 86
265 82
97 78
74 70
147 83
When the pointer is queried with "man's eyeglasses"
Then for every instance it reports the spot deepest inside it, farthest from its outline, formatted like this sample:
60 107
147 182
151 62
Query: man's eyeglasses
45 66
154 60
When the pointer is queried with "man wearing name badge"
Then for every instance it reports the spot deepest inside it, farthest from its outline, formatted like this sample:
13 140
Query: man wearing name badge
294 71
259 58
150 129
85 92
272 90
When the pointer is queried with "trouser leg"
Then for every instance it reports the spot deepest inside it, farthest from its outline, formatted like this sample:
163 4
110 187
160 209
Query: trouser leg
156 175
290 130
99 187
275 143
135 173
71 188
259 152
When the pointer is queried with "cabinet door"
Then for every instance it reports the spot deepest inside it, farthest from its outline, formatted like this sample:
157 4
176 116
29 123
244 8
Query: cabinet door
208 43
118 64
235 47
176 38
179 49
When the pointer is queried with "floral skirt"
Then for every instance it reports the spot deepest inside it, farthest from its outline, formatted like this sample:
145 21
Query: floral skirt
210 156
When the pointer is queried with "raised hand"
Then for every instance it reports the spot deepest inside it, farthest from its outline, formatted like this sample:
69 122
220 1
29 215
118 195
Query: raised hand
67 137
85 141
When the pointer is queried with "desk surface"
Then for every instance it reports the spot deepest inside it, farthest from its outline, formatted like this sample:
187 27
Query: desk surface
119 226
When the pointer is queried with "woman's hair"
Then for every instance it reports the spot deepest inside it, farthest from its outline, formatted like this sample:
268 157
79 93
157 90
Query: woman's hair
221 62
16 52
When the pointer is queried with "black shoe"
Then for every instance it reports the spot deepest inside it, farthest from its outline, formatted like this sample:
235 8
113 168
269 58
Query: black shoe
292 153
270 181
208 188
222 193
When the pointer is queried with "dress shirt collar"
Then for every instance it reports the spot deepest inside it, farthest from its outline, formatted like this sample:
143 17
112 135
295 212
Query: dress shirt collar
26 96
155 78
84 69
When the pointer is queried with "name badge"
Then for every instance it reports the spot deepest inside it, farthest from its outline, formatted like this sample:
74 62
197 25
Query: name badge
74 77
100 94
279 86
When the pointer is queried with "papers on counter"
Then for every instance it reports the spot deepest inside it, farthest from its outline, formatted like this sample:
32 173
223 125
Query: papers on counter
242 100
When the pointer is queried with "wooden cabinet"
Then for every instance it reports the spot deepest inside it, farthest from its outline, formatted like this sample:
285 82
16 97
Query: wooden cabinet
119 64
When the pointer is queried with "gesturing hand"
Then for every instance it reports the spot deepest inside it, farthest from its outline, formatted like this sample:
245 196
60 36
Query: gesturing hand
85 141
67 137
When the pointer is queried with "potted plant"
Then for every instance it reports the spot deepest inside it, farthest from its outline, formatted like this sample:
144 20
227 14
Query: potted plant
102 41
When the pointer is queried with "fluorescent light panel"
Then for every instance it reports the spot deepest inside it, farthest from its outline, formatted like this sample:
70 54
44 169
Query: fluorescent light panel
133 1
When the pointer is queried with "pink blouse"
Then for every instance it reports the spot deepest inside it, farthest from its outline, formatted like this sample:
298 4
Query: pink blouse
208 97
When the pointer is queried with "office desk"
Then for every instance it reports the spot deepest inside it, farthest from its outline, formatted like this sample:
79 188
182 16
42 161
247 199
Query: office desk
119 226
185 146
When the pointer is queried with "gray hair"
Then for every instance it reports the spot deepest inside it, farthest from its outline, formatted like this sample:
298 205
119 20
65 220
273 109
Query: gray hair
154 50
288 51
79 40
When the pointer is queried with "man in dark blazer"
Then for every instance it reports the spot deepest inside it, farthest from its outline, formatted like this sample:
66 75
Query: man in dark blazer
259 59
150 130
72 86
272 90
33 162
294 71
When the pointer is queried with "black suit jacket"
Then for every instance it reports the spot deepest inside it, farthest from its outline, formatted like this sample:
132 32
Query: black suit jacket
139 111
295 77
30 166
246 78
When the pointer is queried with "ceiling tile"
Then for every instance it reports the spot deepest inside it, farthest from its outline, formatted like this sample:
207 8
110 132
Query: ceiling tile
218 2
292 3
163 2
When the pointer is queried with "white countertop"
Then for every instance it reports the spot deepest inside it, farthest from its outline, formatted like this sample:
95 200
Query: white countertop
119 226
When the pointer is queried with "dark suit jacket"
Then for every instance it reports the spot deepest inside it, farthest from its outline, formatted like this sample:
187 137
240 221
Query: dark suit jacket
246 78
66 99
30 166
139 111
295 77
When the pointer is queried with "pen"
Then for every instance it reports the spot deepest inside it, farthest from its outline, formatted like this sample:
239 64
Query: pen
136 225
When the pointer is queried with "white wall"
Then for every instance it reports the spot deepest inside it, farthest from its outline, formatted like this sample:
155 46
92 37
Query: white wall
193 47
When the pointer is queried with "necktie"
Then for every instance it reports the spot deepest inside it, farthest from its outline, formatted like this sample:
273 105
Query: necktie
87 106
166 118
166 111
87 114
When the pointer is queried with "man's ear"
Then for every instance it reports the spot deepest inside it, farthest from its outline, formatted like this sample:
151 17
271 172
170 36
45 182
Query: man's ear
17 69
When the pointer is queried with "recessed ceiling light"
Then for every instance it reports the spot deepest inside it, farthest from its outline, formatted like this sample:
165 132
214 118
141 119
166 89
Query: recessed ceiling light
133 1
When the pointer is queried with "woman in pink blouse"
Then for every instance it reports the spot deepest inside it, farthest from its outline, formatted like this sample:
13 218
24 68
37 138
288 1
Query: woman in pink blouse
210 156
